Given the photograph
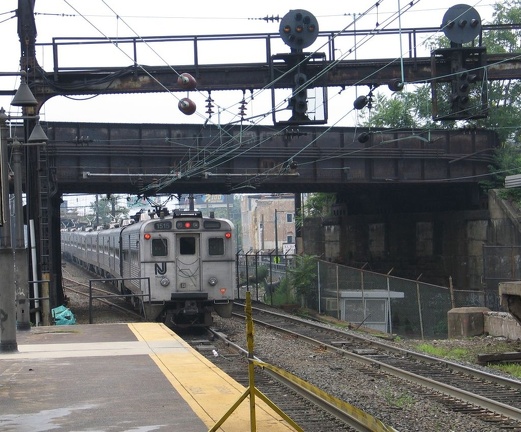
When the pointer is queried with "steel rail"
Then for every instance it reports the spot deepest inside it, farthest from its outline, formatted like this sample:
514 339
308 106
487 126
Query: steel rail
496 379
348 418
101 300
489 404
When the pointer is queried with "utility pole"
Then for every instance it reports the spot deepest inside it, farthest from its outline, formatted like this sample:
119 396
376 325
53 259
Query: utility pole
7 292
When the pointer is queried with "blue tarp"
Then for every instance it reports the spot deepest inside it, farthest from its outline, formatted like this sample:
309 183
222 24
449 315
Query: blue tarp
63 316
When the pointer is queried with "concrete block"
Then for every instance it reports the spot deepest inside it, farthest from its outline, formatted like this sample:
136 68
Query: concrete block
502 324
466 322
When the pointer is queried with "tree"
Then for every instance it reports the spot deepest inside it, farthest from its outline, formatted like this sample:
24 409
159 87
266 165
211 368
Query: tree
107 210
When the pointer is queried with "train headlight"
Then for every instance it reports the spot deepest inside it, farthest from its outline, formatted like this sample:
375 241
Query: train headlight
164 281
212 281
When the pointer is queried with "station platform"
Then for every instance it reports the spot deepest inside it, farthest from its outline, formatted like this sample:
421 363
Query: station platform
118 377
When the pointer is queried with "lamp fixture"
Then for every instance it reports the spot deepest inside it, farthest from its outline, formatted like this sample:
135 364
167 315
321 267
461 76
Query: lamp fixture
24 96
38 135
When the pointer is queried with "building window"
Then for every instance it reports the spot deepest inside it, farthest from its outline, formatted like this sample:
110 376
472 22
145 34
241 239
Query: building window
289 217
289 239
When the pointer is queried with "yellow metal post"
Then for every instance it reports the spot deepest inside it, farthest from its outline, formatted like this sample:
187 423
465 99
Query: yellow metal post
251 366
251 390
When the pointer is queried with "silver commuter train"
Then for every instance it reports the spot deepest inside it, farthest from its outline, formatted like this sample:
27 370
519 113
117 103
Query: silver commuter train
188 259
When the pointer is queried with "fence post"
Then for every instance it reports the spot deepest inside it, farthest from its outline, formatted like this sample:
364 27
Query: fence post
451 289
318 284
337 294
363 290
389 318
419 304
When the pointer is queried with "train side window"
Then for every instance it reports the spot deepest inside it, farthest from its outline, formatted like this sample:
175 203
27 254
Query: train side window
159 247
187 245
215 246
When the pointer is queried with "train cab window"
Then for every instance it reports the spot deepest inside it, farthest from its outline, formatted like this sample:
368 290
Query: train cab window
216 246
187 245
159 247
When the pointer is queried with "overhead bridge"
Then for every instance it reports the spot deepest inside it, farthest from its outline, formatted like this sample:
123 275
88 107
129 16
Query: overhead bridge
179 158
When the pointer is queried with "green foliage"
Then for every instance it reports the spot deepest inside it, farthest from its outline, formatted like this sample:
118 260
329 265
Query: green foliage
507 159
255 277
402 110
300 283
262 272
107 210
283 294
513 369
319 204
304 279
440 351
397 399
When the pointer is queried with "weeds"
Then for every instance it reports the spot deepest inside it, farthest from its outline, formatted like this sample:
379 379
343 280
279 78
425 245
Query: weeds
398 400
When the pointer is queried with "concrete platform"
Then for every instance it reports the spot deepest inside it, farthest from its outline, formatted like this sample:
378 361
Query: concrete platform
118 377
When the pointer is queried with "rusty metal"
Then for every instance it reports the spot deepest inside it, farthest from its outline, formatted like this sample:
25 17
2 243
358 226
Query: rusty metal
341 71
109 158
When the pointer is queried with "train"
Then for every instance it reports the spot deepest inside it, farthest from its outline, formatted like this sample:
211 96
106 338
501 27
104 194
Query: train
176 269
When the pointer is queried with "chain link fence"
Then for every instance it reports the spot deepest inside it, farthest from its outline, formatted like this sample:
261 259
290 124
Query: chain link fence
388 303
363 298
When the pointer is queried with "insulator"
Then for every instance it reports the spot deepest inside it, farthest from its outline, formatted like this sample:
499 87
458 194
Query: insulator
363 137
209 105
360 102
187 106
395 85
186 81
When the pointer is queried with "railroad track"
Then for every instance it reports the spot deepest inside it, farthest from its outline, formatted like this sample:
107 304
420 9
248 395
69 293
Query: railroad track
493 398
310 414
82 289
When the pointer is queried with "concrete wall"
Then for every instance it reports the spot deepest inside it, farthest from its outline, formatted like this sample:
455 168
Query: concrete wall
477 321
445 242
502 324
436 245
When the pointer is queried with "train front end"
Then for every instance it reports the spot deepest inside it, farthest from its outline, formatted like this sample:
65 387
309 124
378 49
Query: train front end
190 263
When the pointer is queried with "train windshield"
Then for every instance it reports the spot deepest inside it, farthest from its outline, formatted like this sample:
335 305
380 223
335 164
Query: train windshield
187 246
159 247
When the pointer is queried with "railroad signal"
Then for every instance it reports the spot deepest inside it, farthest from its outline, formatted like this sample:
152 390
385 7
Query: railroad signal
462 85
298 29
300 95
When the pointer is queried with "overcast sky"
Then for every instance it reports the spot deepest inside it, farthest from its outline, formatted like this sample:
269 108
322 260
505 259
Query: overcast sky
102 18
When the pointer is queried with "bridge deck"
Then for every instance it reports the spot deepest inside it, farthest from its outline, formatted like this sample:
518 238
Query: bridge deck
125 158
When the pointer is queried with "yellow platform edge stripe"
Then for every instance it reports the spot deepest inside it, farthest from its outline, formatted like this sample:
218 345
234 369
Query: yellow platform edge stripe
209 408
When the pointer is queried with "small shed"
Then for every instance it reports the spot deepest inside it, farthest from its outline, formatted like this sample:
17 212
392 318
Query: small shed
370 308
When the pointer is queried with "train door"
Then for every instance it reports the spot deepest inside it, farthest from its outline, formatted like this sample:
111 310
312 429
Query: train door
187 261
